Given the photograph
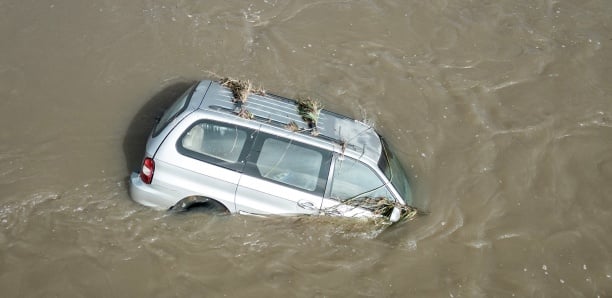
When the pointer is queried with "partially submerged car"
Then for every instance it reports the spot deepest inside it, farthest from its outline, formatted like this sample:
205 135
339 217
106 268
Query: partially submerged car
260 154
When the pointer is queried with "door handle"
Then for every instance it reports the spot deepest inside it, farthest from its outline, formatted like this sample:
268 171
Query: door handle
306 205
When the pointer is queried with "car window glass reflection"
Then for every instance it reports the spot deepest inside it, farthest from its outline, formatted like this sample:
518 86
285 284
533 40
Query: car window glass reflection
289 163
353 179
215 140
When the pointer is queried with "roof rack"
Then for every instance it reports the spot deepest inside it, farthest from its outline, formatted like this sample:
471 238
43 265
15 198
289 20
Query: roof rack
281 111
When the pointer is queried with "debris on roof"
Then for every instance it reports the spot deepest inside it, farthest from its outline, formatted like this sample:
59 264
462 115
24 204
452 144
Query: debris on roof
292 126
244 113
240 89
307 113
309 109
240 92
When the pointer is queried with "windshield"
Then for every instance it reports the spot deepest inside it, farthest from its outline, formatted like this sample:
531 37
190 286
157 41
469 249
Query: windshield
394 171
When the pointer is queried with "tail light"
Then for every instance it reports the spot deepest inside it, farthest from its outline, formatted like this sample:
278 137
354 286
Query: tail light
148 167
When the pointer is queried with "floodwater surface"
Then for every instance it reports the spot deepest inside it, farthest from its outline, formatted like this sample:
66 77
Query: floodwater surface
500 110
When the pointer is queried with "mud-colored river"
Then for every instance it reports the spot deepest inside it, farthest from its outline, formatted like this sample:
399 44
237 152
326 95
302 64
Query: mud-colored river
501 110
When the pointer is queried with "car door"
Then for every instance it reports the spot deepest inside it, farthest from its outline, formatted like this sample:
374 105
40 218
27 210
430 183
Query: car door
283 176
204 158
350 182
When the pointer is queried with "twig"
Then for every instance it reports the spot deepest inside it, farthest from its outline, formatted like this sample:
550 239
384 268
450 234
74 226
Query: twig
244 113
292 126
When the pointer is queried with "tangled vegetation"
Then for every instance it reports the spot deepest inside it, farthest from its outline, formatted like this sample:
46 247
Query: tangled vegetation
309 109
240 93
292 126
240 89
244 113
380 206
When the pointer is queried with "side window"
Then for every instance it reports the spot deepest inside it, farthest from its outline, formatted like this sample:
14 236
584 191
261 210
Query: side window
353 179
214 142
290 163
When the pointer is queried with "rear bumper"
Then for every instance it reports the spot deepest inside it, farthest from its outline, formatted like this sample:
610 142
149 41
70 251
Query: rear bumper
147 195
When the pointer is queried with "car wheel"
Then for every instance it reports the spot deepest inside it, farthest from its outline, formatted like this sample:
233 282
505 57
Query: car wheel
199 204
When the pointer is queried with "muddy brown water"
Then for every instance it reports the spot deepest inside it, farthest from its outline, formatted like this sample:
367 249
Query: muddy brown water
501 111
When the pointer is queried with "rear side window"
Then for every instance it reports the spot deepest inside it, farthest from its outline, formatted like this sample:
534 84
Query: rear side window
353 179
218 143
290 163
176 108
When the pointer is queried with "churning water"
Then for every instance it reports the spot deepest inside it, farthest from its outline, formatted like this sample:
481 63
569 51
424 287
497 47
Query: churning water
501 111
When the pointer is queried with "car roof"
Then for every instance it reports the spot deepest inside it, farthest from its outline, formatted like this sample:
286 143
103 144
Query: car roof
278 111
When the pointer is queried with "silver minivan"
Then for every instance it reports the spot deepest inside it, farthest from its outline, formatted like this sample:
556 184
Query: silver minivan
262 156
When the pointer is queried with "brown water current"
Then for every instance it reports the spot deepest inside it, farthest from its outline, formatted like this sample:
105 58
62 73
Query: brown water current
500 110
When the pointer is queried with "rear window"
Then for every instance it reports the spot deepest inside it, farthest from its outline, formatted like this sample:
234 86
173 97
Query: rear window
176 108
